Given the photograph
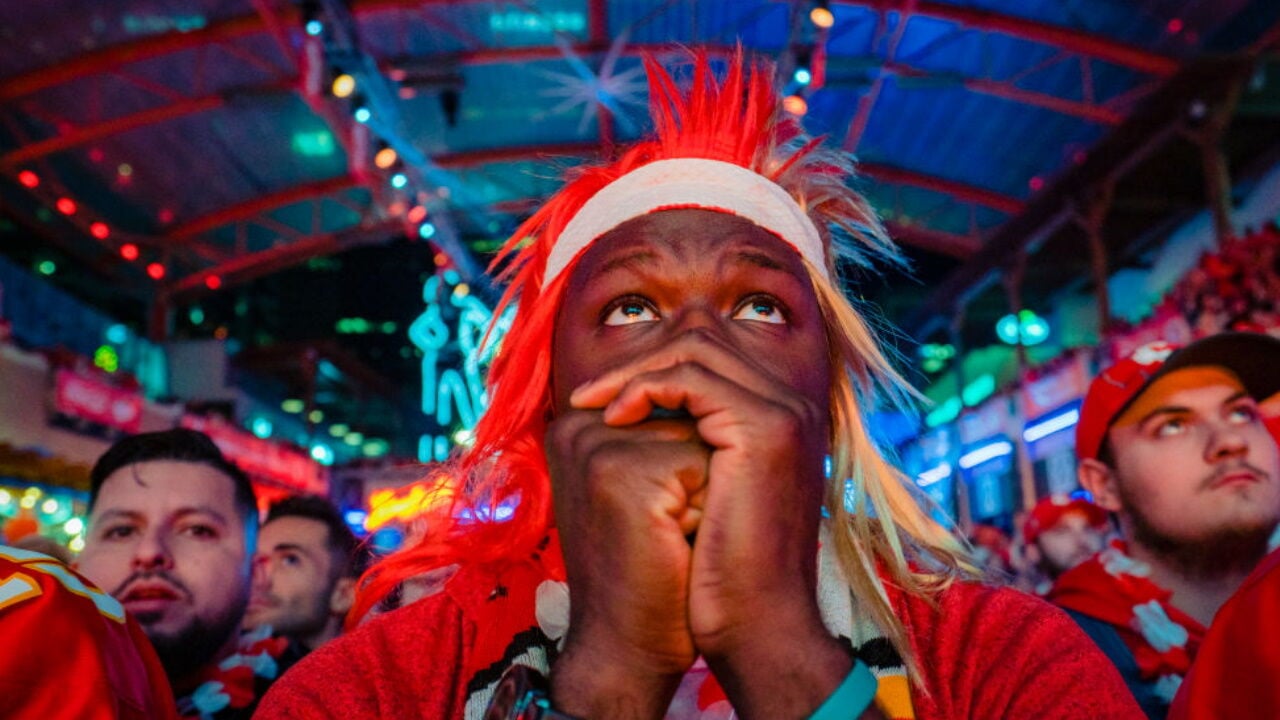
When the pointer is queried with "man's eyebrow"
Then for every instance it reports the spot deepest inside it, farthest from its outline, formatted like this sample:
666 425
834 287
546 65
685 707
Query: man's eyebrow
202 510
629 260
289 546
761 259
1181 410
118 514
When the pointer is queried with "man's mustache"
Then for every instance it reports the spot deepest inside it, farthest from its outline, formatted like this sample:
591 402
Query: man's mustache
150 575
1232 469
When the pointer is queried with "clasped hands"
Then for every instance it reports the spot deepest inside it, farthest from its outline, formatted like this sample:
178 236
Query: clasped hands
742 471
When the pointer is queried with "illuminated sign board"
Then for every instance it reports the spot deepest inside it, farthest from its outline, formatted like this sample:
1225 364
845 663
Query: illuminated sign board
453 395
407 503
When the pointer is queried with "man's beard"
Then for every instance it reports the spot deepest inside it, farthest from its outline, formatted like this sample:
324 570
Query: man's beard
190 648
1226 551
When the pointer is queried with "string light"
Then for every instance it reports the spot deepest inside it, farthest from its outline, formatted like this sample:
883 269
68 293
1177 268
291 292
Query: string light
129 252
66 206
155 271
213 282
821 15
28 179
343 85
399 180
385 158
99 230
417 213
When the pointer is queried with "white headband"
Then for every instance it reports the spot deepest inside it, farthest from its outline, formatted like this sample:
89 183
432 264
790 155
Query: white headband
689 183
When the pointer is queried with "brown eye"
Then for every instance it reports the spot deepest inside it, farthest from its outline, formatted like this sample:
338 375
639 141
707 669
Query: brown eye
760 308
630 311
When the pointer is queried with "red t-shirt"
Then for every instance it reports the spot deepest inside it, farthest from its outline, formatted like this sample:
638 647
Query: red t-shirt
986 653
1236 672
69 652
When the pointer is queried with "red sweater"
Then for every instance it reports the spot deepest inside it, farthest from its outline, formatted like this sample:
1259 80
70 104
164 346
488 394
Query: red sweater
1235 673
986 653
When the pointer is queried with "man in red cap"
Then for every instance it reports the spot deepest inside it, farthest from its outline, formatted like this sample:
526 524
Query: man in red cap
1172 442
1060 533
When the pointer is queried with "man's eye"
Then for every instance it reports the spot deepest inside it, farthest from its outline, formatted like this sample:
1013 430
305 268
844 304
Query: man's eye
204 532
760 309
629 311
1243 414
1171 427
119 532
291 560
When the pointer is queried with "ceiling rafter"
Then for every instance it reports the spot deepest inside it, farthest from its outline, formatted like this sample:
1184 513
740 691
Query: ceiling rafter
243 268
1076 41
93 132
261 205
1080 42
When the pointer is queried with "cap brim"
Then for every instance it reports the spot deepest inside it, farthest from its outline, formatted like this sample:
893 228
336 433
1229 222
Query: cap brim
1253 357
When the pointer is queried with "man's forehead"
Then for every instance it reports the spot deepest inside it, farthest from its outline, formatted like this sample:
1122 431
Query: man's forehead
1211 383
680 233
293 530
165 482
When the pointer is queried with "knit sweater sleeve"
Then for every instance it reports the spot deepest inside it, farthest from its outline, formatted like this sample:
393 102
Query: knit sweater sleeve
404 664
995 653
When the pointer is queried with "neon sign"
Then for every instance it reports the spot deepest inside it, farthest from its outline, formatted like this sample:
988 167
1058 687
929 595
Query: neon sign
452 393
407 503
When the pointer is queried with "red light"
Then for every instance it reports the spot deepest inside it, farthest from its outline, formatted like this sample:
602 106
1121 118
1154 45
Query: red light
417 214
129 252
1036 183
1175 26
155 270
213 282
99 230
66 206
28 179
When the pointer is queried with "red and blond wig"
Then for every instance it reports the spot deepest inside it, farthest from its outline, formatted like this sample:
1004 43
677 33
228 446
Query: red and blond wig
736 120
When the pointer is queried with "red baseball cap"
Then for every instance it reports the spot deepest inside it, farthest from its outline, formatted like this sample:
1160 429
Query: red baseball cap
1049 512
1253 357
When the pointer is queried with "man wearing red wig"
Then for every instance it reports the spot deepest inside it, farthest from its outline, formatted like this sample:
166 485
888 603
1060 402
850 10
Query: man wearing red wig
680 371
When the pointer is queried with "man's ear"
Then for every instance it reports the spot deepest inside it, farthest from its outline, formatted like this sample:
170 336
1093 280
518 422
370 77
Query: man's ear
1100 481
343 596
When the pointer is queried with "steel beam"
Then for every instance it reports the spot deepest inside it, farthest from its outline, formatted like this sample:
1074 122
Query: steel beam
100 130
958 190
261 204
244 268
1076 41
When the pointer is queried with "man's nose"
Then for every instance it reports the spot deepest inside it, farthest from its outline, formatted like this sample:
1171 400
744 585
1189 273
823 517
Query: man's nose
261 573
699 319
1227 441
152 552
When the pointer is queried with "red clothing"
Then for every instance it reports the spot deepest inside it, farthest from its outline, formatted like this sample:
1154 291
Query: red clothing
1115 589
69 652
986 653
1235 674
